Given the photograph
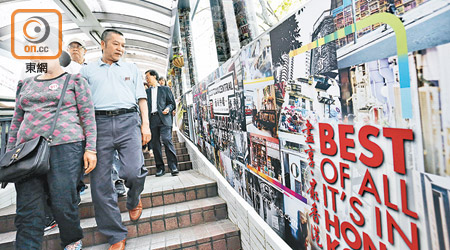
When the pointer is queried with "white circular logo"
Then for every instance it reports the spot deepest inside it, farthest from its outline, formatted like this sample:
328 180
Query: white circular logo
36 29
54 86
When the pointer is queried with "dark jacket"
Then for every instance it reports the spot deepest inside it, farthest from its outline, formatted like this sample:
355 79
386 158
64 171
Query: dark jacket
165 100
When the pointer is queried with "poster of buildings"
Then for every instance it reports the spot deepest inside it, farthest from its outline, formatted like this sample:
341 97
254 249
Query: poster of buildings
347 126
265 156
259 90
256 61
266 200
199 96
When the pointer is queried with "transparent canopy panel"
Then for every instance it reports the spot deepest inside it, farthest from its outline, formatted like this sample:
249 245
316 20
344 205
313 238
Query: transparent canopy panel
128 26
9 7
130 9
144 38
69 26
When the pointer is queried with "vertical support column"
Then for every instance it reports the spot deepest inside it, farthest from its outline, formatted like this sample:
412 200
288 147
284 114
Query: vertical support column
244 21
186 40
232 30
220 31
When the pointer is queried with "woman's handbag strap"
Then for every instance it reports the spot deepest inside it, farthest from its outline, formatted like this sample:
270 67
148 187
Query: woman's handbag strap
63 93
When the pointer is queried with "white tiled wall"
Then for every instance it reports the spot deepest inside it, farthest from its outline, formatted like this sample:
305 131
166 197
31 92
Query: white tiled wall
255 233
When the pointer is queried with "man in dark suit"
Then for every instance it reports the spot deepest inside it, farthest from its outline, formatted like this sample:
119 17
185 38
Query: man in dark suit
161 103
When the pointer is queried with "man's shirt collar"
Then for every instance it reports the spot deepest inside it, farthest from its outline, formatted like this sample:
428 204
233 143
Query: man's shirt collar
101 62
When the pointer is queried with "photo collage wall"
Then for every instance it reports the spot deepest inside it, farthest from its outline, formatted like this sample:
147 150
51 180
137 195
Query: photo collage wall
338 144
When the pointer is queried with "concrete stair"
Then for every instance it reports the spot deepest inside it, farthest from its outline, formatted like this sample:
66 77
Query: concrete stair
184 161
181 212
220 235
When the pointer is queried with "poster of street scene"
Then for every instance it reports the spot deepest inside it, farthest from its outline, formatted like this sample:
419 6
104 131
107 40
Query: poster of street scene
260 109
346 125
266 200
199 93
259 90
256 61
297 224
265 156
233 171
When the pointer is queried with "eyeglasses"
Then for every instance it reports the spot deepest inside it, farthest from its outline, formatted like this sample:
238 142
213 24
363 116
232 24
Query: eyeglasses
75 46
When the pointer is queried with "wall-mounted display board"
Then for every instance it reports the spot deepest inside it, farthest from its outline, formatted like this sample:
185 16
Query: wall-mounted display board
335 125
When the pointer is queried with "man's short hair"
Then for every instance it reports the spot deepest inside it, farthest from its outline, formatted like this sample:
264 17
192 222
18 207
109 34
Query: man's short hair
106 34
152 73
162 78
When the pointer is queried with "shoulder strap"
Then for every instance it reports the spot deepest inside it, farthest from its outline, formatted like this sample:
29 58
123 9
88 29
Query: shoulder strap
63 93
19 88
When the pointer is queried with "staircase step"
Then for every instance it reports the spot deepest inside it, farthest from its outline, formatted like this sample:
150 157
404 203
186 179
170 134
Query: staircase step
158 191
153 220
182 166
175 139
213 235
180 158
176 144
180 151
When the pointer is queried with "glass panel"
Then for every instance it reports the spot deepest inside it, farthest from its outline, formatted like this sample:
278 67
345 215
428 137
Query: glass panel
8 8
92 56
118 25
95 54
164 3
204 44
144 38
80 35
11 71
128 9
69 26
145 54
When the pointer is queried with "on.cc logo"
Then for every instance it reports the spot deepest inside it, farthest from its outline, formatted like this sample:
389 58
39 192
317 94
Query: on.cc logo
36 29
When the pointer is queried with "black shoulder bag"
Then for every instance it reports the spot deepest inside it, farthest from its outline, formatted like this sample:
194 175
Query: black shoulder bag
30 158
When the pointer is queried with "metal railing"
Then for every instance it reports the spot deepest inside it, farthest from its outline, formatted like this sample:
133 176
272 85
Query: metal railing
4 127
6 113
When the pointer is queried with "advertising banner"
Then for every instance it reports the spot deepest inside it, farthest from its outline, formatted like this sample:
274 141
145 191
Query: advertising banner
346 143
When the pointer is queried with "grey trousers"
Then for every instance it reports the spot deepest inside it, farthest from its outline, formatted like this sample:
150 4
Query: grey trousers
121 133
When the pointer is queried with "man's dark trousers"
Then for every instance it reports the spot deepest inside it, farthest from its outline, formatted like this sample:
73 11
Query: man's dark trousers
161 127
162 132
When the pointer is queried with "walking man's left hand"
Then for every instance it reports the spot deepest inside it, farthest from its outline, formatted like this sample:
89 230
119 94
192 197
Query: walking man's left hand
146 135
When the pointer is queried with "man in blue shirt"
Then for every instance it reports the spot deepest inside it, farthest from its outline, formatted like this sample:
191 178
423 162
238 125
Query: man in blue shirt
118 93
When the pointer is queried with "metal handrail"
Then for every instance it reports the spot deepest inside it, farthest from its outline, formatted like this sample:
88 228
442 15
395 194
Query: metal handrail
6 107
5 123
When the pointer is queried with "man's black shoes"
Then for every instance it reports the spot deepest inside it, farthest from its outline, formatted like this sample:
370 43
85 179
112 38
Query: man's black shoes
160 173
